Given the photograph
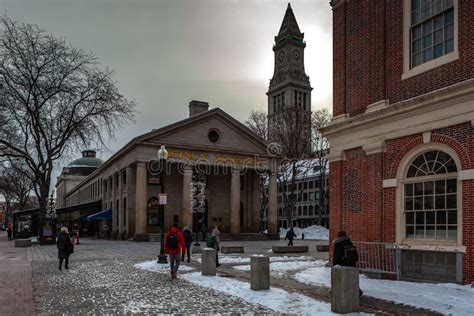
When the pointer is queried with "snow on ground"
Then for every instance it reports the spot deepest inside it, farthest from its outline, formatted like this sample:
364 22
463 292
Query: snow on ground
160 267
238 259
310 232
279 268
446 298
277 299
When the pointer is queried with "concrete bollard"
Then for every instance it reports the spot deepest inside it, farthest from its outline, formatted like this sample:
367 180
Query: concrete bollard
208 263
259 272
344 290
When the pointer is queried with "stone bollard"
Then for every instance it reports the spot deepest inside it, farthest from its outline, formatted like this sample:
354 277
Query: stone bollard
344 290
208 263
259 272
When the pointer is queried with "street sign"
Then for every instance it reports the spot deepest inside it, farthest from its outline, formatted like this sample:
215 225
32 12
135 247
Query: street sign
162 198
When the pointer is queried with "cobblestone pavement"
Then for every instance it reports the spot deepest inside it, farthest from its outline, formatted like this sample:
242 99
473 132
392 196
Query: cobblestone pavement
115 287
103 280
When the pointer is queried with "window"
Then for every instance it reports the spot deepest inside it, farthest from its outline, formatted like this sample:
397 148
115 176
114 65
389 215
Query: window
311 210
304 101
305 210
431 30
296 97
311 184
305 196
305 185
311 196
430 197
124 177
299 211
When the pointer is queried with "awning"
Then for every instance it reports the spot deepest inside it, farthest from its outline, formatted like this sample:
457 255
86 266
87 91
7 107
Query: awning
101 216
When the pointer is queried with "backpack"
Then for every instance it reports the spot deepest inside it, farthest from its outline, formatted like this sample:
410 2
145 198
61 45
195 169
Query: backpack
173 241
351 255
210 242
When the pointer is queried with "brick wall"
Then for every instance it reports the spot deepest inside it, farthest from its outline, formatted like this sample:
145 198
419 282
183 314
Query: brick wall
368 55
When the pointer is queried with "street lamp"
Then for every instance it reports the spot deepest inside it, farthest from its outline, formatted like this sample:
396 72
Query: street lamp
162 156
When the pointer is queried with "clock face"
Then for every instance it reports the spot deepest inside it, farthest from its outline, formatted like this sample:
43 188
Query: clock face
281 56
296 54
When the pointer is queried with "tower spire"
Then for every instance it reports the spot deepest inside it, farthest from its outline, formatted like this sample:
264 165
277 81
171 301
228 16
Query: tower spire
289 26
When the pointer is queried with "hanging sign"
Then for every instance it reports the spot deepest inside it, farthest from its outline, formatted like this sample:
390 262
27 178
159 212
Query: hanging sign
162 197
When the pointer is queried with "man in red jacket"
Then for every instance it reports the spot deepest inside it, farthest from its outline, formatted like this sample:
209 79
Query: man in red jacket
174 246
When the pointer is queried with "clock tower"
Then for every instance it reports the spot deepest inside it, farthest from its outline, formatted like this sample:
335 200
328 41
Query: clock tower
289 88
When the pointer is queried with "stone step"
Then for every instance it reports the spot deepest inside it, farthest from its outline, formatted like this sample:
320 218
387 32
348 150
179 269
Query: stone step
289 249
248 237
154 237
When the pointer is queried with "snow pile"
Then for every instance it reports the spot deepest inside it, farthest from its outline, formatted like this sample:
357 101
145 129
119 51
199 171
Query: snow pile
237 260
446 298
310 232
277 299
280 268
159 267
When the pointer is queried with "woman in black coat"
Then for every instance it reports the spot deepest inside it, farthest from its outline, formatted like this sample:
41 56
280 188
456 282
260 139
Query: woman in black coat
340 244
65 247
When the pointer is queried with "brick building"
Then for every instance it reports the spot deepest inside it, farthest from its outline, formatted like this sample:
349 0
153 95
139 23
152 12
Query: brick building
402 137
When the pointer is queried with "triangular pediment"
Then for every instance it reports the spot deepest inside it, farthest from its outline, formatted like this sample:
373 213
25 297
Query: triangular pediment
194 132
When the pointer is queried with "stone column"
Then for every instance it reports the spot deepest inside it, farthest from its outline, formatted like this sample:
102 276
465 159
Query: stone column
186 214
259 272
141 233
120 206
208 262
272 204
235 202
344 290
256 203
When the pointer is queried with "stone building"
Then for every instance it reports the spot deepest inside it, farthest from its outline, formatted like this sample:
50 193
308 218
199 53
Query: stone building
225 153
402 136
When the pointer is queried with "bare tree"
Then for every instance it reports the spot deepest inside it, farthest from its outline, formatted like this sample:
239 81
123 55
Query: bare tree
290 129
258 123
321 118
15 184
53 98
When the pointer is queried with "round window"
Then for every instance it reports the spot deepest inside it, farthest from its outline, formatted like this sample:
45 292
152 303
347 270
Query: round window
214 136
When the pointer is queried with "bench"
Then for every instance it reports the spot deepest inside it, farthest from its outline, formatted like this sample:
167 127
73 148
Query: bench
22 243
322 248
232 249
289 249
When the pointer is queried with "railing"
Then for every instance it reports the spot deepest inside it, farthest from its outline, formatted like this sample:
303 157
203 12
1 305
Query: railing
378 257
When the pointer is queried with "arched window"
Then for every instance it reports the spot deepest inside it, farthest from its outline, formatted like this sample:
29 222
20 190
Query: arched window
311 212
305 210
430 197
299 211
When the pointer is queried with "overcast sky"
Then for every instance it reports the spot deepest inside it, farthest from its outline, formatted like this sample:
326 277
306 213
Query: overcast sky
168 52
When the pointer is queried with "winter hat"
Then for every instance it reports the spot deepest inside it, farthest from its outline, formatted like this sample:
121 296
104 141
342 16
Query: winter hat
64 230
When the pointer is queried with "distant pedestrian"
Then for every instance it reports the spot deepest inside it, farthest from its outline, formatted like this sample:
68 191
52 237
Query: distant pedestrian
9 233
345 253
65 247
174 247
290 235
302 236
214 241
188 240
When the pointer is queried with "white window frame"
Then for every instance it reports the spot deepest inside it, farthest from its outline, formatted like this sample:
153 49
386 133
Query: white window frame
405 163
434 63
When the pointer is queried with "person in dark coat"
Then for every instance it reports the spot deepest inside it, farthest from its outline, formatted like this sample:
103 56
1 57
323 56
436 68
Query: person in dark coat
9 233
340 244
65 247
339 257
188 240
290 235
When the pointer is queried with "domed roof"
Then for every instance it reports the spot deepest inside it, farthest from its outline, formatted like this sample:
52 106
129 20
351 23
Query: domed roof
88 160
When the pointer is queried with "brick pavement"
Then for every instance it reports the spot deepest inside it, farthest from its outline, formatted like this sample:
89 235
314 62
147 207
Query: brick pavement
16 292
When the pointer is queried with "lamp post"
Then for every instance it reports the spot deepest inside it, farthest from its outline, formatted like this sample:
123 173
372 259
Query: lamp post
162 156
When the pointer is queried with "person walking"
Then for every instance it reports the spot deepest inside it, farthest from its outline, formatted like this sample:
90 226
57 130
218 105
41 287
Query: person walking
290 235
65 247
9 233
345 253
188 240
174 247
214 241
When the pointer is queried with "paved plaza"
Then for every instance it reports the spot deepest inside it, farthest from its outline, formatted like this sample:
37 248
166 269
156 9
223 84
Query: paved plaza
103 279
